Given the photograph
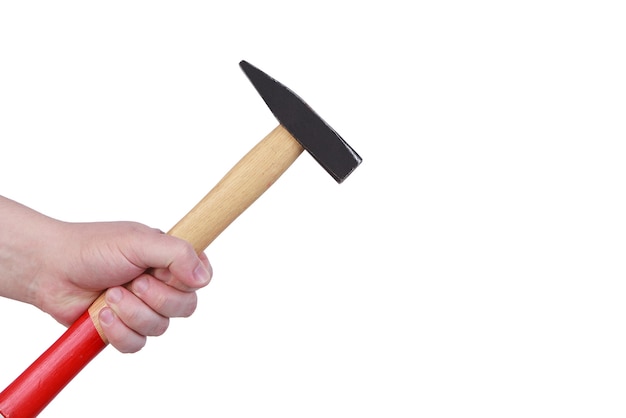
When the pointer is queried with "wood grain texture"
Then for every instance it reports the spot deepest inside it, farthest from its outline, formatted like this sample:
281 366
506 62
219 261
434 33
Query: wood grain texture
238 189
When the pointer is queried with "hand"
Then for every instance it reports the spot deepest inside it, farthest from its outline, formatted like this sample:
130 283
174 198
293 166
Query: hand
63 267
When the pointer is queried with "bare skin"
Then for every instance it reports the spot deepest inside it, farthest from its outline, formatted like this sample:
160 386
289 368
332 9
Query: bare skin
61 268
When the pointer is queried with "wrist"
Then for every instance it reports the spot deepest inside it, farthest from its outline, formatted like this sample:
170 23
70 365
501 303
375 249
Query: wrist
24 232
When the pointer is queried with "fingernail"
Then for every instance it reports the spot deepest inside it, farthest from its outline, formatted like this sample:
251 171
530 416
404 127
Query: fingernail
201 275
106 316
140 285
114 295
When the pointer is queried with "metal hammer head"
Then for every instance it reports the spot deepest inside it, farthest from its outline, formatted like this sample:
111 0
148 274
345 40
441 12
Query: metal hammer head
315 136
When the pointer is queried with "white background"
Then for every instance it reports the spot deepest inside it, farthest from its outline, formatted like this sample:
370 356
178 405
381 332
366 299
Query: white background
473 266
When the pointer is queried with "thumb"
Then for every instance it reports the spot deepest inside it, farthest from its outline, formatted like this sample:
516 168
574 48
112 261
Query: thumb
172 260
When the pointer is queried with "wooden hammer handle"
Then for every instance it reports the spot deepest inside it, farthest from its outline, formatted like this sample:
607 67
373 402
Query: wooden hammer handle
35 388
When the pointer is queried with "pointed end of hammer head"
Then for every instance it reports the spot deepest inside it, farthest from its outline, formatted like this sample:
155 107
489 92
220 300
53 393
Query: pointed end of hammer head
310 130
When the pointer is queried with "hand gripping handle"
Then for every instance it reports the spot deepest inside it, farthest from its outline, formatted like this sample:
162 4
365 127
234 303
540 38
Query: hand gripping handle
37 386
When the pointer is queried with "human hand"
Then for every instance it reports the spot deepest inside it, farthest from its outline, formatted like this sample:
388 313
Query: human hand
149 277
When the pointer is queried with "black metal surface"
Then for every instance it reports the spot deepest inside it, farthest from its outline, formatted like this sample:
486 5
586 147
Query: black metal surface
315 136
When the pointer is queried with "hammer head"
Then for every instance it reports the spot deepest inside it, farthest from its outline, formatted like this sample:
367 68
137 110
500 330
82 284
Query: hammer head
315 136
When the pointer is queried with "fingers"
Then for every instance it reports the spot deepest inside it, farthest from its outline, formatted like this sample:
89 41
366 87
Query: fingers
141 310
162 298
165 290
119 335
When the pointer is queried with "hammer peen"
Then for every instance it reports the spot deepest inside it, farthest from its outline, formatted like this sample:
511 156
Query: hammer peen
299 128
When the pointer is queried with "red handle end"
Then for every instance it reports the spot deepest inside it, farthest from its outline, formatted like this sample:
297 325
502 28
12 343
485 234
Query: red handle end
35 388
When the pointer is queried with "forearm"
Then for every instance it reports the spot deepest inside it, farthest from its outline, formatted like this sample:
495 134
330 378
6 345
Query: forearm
23 232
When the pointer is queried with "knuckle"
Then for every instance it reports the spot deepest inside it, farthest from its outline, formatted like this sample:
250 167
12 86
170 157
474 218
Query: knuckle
186 249
148 324
126 342
161 327
159 302
190 306
133 347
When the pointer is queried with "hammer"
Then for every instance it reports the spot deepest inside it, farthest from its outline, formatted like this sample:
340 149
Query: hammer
299 128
